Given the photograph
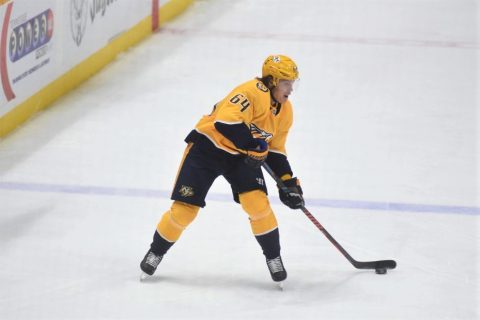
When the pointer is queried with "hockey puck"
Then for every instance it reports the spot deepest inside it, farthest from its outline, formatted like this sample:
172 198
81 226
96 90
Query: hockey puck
381 271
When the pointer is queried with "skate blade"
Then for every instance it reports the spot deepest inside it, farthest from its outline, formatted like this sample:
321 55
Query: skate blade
280 285
144 276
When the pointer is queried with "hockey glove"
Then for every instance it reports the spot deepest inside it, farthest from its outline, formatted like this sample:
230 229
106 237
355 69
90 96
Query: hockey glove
255 157
292 196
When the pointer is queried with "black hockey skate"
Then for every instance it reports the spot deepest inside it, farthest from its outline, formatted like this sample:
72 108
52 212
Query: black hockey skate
149 264
277 271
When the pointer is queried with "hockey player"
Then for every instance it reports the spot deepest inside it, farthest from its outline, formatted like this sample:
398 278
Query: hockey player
249 126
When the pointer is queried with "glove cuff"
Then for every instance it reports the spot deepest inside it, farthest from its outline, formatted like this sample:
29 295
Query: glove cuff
260 152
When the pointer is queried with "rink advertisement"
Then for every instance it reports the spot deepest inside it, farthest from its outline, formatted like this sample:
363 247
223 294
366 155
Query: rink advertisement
47 47
26 49
93 24
34 52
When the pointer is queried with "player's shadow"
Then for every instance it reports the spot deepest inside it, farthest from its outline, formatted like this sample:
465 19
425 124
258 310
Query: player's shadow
217 281
228 282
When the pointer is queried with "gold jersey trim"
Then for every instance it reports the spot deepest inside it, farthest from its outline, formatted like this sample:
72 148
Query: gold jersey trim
228 122
277 151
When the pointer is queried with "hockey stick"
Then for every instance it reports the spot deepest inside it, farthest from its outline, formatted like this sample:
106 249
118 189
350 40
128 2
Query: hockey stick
380 266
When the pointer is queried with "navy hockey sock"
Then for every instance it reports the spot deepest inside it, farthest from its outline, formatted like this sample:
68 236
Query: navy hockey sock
270 243
159 245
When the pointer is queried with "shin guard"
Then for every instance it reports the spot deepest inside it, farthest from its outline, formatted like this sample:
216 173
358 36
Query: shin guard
175 220
256 205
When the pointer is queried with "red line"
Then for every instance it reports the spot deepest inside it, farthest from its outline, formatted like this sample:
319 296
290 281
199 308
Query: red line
3 56
326 38
155 22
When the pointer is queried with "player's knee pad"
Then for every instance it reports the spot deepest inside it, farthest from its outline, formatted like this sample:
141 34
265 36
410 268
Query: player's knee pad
175 220
257 206
183 213
255 203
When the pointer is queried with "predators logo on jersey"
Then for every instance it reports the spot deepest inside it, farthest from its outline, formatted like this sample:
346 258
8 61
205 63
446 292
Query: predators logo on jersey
186 191
262 87
259 133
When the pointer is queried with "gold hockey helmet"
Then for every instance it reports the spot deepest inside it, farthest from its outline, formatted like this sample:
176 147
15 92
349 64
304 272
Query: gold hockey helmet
279 67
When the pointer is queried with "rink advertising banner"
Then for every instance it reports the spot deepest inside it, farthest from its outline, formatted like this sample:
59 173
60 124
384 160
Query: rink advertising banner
26 49
47 47
95 23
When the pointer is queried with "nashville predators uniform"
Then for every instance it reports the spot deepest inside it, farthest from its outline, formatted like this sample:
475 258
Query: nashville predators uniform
246 128
217 146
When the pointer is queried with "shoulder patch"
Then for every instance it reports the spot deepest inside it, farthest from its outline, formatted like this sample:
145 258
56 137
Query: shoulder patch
262 87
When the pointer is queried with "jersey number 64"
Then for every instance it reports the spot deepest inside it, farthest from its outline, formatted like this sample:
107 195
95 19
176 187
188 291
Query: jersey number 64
241 100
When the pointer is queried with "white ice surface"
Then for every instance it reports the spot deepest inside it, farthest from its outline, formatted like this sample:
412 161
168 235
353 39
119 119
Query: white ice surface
386 113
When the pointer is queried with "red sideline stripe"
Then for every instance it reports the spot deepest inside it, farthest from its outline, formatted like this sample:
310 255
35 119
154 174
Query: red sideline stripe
3 56
155 15
454 44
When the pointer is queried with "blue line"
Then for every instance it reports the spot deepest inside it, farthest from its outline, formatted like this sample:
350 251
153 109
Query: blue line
152 193
393 206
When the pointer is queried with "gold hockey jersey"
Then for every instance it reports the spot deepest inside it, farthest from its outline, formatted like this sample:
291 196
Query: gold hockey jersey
249 103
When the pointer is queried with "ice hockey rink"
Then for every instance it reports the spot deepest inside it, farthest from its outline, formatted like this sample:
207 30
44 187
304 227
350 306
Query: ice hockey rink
385 142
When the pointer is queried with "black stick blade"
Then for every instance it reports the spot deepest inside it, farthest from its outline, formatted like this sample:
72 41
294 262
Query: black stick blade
380 264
